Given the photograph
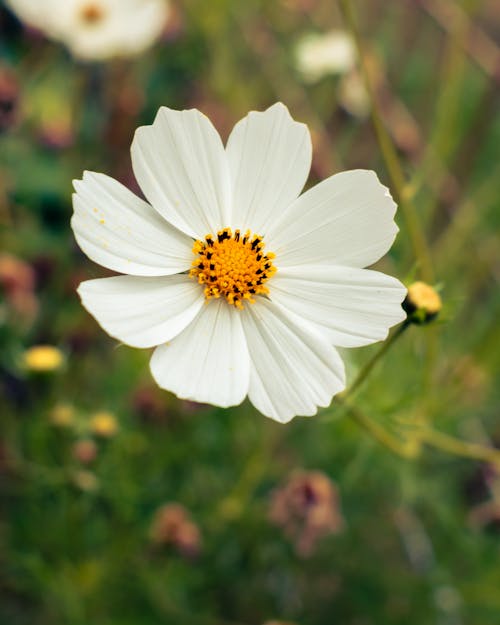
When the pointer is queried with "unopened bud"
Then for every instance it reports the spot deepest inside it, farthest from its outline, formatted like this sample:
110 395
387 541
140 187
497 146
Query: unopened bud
104 424
85 451
62 415
172 525
86 481
422 303
43 358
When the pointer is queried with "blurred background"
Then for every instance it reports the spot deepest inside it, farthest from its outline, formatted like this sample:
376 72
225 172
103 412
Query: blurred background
122 505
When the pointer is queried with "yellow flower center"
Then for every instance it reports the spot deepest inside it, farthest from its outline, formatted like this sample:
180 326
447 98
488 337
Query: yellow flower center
233 266
91 13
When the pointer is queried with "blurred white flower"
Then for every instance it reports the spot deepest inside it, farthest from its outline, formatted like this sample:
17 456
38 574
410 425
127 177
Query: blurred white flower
319 55
353 96
97 29
232 312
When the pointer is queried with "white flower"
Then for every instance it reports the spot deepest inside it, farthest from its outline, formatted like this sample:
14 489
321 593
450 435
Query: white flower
97 29
319 55
243 286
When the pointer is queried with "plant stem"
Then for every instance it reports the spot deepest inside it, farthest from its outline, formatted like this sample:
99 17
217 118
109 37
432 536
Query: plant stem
368 366
406 449
455 446
394 168
410 448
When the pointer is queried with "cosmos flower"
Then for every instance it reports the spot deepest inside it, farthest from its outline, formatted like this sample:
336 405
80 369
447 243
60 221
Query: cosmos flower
97 29
243 287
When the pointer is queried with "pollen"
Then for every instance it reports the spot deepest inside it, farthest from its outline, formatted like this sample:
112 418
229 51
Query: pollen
233 266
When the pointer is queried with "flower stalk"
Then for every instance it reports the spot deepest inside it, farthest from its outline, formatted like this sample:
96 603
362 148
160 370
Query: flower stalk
393 165
370 364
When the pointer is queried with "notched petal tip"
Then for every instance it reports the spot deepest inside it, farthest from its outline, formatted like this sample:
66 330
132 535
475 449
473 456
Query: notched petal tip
87 177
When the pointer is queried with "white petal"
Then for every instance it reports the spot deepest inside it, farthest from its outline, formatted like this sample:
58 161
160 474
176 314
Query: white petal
142 312
269 158
209 361
181 166
293 368
126 29
120 231
33 13
355 306
347 219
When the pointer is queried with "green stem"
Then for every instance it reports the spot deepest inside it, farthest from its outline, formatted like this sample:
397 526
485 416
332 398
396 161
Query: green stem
234 504
368 366
410 448
405 449
457 447
394 169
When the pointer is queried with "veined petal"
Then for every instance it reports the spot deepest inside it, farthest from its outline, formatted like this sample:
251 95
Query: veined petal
293 368
120 231
181 166
269 158
142 312
348 219
355 306
209 361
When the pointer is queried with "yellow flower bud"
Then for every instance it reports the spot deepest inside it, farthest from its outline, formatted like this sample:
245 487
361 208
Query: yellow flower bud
104 424
422 302
86 481
62 415
43 358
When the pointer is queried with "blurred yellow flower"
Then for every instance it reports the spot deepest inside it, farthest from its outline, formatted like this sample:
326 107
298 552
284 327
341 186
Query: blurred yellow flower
62 415
86 481
104 424
43 358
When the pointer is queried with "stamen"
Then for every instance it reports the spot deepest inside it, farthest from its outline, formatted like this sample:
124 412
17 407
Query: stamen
232 267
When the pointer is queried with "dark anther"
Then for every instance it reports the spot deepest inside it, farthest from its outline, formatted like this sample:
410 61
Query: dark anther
209 255
213 278
249 283
259 256
209 240
237 235
258 271
236 289
212 266
223 236
252 291
255 243
201 266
